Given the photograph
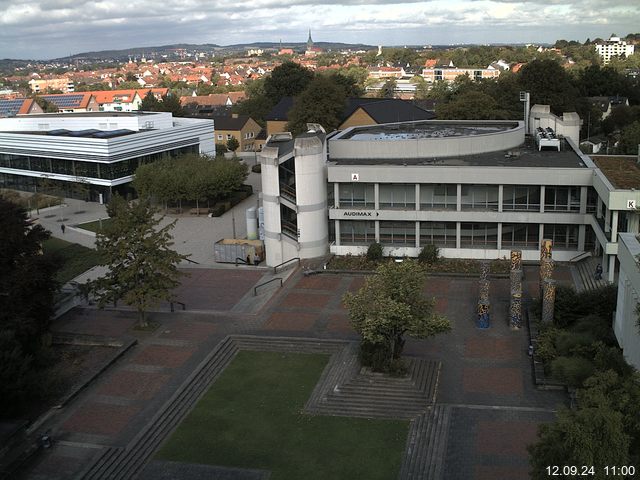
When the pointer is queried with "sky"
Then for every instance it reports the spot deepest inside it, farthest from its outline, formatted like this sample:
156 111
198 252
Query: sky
45 29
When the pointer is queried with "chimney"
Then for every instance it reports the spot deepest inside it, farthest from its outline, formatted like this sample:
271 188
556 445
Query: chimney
234 115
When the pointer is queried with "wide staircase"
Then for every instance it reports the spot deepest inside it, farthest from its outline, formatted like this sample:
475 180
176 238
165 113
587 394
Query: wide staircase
585 274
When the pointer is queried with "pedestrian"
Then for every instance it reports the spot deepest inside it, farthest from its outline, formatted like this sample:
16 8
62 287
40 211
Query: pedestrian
248 260
598 274
62 227
256 259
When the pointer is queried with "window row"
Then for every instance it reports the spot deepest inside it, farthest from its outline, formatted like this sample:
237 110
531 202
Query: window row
78 168
473 197
443 234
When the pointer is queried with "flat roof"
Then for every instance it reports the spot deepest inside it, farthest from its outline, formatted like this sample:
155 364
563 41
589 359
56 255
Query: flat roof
526 155
621 170
411 131
88 114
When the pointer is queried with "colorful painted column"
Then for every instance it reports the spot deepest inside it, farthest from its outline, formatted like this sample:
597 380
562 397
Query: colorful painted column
548 300
483 319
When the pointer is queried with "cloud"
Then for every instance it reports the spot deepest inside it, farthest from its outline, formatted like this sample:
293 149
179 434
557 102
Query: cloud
52 28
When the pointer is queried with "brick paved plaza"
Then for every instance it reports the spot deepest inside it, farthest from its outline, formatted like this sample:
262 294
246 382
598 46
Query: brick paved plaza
485 377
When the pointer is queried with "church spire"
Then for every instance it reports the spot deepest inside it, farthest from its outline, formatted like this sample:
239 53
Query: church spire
309 41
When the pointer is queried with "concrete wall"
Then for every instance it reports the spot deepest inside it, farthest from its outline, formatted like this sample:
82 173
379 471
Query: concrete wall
568 125
625 327
429 147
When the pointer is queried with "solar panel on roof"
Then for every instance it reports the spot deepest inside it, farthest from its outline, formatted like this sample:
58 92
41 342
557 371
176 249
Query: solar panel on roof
84 133
113 133
10 107
59 132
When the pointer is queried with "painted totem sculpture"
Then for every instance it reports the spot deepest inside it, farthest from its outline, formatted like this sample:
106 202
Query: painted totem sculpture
483 320
548 300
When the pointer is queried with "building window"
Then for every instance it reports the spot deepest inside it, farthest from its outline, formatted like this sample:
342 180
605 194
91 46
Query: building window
398 196
565 237
562 199
219 136
440 234
229 137
521 198
483 235
438 196
479 197
521 235
357 195
398 233
354 232
592 200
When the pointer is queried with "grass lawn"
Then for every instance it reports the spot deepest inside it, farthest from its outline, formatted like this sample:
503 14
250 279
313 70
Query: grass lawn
251 418
94 226
75 259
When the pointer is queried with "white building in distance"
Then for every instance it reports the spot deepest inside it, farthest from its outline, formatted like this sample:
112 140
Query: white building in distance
614 47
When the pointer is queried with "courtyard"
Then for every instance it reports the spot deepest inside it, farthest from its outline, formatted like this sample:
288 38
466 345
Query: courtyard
145 413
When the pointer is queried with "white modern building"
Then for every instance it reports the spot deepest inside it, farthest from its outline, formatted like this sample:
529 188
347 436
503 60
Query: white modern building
100 149
475 189
614 47
625 326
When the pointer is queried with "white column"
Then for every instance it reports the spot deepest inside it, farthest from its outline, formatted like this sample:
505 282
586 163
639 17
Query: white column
607 221
500 234
417 234
614 226
582 233
417 196
337 231
583 200
458 230
376 196
500 200
336 195
612 268
459 199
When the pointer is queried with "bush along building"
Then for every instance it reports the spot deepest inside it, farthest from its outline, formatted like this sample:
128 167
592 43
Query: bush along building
475 189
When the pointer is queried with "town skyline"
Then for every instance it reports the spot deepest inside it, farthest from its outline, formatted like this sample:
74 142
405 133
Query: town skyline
63 28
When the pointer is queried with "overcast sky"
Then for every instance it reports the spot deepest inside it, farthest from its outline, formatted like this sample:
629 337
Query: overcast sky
43 29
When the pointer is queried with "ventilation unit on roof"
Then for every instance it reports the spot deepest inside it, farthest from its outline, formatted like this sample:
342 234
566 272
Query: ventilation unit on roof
546 138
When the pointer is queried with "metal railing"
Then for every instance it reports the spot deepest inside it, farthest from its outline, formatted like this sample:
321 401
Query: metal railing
255 289
183 305
580 256
241 260
275 269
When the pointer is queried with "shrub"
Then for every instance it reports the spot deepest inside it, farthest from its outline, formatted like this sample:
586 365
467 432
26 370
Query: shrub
546 345
429 254
570 306
572 370
597 326
572 343
374 252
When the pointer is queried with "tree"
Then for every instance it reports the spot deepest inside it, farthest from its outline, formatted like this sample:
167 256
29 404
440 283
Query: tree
233 144
323 102
549 84
630 139
391 305
46 105
142 267
150 103
388 89
589 436
286 80
27 289
472 105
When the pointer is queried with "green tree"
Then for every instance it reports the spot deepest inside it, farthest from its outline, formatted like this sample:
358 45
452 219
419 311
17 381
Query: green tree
46 105
142 267
549 84
150 103
323 102
589 436
390 305
388 89
286 80
630 139
472 105
27 289
233 144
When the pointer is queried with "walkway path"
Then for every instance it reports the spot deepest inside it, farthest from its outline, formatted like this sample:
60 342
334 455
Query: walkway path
483 412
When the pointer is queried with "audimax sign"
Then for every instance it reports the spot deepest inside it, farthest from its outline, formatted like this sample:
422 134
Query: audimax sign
359 213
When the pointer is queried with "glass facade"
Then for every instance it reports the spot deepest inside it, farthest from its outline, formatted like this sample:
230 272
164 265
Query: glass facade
438 196
357 195
480 235
441 234
398 196
479 197
79 168
521 198
565 237
398 233
353 232
562 199
520 235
